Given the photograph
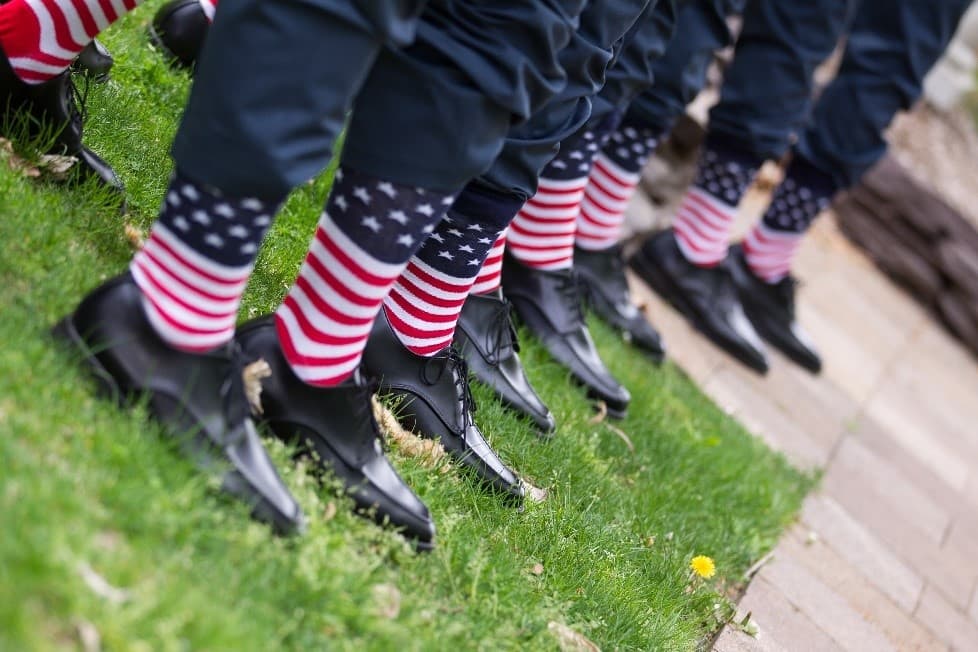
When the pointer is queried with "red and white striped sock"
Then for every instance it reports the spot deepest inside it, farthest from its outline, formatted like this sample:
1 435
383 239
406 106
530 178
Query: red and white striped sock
702 227
771 246
196 262
42 37
769 253
606 198
542 234
491 275
426 301
366 235
209 7
614 176
708 210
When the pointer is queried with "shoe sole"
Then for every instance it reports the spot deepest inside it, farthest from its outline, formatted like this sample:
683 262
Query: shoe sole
592 394
467 461
771 338
200 452
328 460
663 285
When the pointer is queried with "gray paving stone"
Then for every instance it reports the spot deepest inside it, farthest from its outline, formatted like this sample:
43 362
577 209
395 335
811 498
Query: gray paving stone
850 582
858 474
947 622
823 606
935 486
891 524
973 612
868 556
782 625
734 640
749 404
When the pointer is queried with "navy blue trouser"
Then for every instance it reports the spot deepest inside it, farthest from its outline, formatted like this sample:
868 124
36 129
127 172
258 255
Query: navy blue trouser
680 74
891 47
766 96
767 89
606 29
437 84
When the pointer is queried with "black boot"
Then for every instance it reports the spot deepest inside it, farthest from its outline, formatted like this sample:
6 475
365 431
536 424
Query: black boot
706 296
606 290
199 398
178 30
436 403
337 425
549 303
771 308
486 338
52 109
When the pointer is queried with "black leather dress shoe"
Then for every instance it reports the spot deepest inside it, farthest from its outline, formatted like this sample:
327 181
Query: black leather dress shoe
178 30
199 398
336 424
95 62
486 338
705 296
549 304
771 308
436 403
606 292
52 109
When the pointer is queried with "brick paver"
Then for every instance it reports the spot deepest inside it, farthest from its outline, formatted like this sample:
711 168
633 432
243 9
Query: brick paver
885 554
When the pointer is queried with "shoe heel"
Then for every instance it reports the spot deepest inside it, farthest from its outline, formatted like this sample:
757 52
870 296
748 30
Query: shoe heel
106 387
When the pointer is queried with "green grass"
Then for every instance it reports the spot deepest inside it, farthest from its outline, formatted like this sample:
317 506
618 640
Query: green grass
83 483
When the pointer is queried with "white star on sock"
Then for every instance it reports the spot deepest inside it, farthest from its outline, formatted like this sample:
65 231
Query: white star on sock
362 194
371 223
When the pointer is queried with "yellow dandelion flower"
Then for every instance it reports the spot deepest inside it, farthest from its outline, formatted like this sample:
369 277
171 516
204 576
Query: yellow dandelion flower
703 566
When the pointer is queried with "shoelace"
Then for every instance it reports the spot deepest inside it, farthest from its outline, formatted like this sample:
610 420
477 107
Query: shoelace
571 290
236 407
77 100
454 362
502 332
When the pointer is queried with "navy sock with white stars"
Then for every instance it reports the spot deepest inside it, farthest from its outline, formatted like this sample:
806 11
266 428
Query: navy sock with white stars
772 244
426 301
707 212
366 235
196 262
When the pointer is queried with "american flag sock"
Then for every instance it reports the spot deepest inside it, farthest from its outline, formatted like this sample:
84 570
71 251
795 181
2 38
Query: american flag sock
542 233
196 262
209 8
366 235
615 175
491 275
424 305
707 212
771 245
42 37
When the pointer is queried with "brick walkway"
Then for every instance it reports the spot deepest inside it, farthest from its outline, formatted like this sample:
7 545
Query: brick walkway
885 553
